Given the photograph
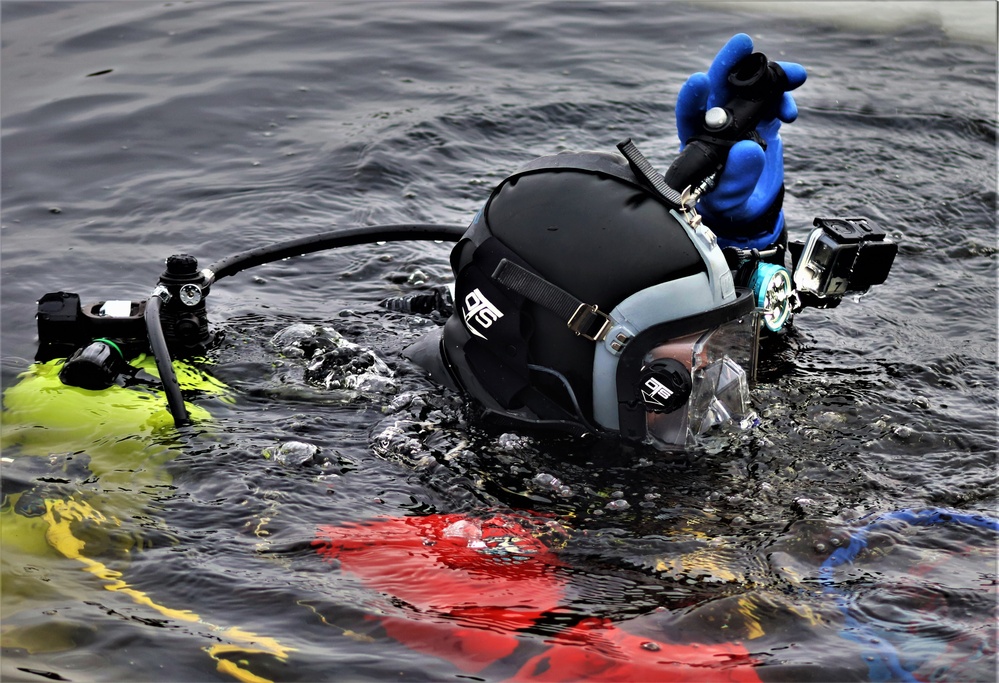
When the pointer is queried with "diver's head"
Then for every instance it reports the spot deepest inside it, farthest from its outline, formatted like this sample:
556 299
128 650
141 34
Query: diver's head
585 303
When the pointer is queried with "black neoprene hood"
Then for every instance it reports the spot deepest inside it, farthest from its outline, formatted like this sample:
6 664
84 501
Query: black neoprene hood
586 225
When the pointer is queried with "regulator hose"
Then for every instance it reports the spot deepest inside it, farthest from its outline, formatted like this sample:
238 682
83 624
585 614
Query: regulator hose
344 237
161 353
231 265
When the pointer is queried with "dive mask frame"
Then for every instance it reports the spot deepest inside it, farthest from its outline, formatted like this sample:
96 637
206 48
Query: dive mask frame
635 358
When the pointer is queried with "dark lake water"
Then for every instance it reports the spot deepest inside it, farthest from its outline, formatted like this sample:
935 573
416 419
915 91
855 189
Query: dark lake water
132 131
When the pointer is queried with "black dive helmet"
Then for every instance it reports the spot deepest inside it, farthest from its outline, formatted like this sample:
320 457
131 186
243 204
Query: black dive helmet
589 295
589 299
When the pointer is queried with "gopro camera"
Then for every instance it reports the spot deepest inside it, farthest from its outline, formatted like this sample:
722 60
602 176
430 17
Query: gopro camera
840 255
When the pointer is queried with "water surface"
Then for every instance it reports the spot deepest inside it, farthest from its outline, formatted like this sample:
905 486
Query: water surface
131 131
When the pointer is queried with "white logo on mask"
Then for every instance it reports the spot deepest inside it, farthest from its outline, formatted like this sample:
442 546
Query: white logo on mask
655 392
481 311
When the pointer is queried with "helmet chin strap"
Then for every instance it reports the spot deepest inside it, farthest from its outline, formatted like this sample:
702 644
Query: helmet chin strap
585 320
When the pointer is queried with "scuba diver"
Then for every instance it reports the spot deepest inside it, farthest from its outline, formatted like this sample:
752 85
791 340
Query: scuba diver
592 295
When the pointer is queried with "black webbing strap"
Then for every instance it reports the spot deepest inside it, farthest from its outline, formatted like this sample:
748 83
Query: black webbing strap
586 320
644 170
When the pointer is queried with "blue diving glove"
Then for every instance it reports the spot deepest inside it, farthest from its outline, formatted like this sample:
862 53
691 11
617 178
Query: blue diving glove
744 207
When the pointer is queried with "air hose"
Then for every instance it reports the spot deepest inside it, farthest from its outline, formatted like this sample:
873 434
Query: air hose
268 254
161 352
331 240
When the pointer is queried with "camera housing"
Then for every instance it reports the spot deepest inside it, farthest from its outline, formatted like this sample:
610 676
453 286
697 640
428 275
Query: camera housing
840 256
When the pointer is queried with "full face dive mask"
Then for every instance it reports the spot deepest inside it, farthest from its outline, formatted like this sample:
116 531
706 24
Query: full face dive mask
584 302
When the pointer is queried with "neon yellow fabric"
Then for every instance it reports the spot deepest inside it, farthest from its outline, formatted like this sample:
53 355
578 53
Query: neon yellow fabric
40 409
60 514
124 436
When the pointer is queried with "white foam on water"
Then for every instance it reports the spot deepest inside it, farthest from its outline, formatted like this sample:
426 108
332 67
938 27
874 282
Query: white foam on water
966 20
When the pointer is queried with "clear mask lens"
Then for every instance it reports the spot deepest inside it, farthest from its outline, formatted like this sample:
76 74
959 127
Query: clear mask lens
720 396
722 365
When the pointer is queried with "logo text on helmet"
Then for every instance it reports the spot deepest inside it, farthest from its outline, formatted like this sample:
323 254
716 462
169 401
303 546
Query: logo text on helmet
480 311
655 392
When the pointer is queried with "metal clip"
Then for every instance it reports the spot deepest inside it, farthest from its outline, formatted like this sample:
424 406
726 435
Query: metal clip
689 198
162 292
688 206
582 318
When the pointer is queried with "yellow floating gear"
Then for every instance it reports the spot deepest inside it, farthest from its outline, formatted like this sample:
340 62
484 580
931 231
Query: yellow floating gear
41 410
60 514
125 434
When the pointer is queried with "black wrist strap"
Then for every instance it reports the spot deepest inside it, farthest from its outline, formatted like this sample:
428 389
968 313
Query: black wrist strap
644 169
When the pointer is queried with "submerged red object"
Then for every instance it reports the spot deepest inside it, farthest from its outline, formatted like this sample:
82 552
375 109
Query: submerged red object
487 594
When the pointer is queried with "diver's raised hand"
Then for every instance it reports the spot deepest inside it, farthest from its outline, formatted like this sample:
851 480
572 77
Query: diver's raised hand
744 206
